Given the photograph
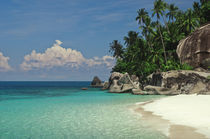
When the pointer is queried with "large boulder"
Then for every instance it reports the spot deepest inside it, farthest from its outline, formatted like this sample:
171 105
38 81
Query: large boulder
195 49
119 83
180 82
96 82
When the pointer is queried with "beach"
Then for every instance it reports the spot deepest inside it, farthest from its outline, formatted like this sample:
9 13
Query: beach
181 116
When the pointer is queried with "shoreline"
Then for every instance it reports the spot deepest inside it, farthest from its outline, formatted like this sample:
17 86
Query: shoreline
177 124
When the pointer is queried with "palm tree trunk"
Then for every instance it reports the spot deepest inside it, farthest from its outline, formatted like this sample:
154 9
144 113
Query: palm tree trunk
162 44
166 24
148 42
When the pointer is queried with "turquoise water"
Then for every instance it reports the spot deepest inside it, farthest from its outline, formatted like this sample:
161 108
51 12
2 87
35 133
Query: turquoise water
56 110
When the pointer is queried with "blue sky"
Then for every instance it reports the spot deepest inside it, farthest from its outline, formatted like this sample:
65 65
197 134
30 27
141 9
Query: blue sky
83 30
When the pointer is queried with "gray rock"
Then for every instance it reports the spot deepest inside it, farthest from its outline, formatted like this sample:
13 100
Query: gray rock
96 82
134 78
195 49
115 87
156 90
122 83
105 86
138 92
206 63
180 82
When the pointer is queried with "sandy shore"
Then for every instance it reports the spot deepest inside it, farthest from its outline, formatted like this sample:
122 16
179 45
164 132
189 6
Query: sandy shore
182 116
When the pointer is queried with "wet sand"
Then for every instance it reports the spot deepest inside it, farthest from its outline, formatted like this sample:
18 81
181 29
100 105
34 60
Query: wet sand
170 130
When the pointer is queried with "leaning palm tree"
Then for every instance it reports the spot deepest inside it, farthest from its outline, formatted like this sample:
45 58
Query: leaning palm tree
164 7
158 6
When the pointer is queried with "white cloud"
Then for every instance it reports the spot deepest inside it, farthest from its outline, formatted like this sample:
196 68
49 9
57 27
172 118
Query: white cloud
4 66
57 56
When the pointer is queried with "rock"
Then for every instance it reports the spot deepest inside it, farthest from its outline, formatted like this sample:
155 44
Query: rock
180 82
195 49
122 82
206 63
200 69
156 90
105 86
96 82
134 78
115 87
138 92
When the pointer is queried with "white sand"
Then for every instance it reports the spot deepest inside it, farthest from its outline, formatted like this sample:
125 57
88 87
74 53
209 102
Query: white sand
188 110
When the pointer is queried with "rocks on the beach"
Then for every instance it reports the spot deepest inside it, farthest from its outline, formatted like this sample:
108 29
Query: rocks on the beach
157 90
105 86
206 63
195 49
120 83
96 82
138 92
179 82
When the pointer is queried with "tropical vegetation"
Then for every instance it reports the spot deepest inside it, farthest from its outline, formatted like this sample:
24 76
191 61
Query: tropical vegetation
153 48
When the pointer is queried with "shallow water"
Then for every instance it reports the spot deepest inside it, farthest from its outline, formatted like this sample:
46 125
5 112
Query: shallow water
62 110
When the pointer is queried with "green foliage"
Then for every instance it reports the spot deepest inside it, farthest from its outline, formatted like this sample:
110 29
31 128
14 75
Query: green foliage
116 48
186 67
208 77
154 47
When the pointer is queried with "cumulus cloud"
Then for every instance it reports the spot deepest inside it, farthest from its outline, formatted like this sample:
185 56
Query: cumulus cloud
4 66
57 56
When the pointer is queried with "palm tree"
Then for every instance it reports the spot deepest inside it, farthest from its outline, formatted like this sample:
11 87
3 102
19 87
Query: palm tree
131 38
142 15
117 49
205 16
145 23
147 30
172 12
158 6
164 7
190 22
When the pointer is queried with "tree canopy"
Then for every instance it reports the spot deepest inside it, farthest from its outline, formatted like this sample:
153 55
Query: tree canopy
153 48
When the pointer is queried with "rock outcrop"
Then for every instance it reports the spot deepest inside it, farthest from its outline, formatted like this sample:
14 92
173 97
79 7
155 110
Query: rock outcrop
119 83
96 82
105 86
179 82
195 49
157 90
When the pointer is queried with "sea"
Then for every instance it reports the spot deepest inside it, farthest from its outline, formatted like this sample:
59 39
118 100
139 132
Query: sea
61 110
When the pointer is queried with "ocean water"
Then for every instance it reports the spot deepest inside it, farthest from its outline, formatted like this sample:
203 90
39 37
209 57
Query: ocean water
61 110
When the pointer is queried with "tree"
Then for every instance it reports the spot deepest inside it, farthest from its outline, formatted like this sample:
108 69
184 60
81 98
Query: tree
205 8
145 24
190 22
154 48
116 48
157 10
142 16
172 12
131 38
